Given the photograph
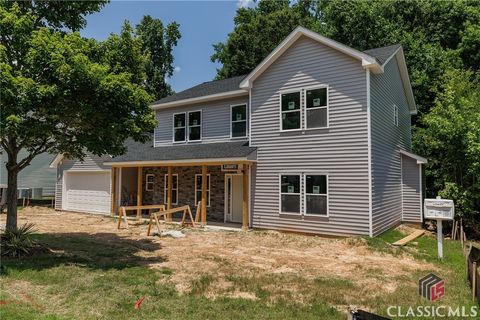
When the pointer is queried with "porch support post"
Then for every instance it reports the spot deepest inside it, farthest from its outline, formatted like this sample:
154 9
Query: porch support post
204 195
139 191
113 187
245 213
169 192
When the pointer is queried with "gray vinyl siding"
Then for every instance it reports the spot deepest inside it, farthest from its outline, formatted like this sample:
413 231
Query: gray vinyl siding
90 163
215 121
411 190
36 175
387 139
341 150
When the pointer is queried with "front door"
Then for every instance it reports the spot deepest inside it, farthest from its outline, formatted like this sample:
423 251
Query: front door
233 197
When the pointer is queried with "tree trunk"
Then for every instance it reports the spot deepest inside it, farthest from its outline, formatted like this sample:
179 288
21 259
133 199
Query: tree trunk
12 198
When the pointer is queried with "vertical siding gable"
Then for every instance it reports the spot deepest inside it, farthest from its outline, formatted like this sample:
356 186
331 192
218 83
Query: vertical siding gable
340 150
215 121
387 139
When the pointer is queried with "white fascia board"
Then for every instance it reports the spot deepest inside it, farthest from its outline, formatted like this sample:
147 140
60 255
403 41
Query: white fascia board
420 160
56 160
367 61
223 95
182 161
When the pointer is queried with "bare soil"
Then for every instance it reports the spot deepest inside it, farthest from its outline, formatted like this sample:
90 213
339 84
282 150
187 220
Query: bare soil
227 257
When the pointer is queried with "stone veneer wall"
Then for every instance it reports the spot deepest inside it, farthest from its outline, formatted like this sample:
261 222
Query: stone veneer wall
186 188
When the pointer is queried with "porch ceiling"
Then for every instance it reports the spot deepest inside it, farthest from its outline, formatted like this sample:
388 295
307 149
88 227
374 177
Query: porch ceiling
145 152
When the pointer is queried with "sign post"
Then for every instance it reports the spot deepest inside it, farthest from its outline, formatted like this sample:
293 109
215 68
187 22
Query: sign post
439 209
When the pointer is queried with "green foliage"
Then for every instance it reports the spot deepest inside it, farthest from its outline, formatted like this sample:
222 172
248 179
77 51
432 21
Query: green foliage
18 242
450 138
157 46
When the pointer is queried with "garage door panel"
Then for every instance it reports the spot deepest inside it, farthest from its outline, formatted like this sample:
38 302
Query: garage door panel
88 191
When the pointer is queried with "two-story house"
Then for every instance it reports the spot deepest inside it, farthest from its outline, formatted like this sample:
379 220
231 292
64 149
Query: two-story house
316 139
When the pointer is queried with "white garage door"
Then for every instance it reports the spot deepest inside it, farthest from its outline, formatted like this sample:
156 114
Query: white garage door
87 191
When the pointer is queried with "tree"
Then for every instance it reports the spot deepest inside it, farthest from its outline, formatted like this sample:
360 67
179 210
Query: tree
61 93
450 138
157 45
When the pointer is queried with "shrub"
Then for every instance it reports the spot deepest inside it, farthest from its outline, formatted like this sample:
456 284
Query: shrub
15 243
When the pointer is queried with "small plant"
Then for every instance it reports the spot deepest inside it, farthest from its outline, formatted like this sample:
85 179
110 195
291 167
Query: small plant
18 242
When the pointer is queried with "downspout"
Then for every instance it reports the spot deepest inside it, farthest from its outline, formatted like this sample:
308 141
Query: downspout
369 146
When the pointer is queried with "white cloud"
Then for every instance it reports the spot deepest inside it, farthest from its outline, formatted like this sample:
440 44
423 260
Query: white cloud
244 3
177 69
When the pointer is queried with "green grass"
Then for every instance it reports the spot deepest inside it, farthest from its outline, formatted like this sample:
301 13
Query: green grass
101 276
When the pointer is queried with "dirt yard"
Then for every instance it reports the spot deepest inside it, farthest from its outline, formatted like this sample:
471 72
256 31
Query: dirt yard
226 256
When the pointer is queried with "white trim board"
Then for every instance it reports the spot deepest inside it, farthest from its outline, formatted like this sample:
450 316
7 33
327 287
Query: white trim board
420 160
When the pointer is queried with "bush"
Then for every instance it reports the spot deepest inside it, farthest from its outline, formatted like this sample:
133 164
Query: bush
18 242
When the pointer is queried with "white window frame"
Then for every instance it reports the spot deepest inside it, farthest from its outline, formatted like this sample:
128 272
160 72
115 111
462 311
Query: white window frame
315 108
187 123
165 188
280 193
185 127
148 183
305 174
232 121
296 110
395 115
209 180
303 193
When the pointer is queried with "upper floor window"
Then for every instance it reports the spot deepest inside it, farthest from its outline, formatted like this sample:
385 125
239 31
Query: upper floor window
291 110
313 104
238 121
190 130
316 104
179 127
395 115
194 125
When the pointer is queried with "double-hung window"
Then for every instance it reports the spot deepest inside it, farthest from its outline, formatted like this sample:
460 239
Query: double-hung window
291 110
174 189
187 129
290 193
310 104
194 125
316 108
179 127
238 121
305 194
316 194
198 189
149 182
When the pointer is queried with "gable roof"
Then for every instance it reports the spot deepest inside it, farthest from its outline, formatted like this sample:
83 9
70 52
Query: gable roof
220 88
383 54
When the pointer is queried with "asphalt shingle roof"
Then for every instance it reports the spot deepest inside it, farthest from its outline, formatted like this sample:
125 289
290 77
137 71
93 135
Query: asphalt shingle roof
137 151
383 53
205 89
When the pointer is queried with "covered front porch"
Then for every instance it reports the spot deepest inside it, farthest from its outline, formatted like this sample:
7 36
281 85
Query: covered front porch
218 191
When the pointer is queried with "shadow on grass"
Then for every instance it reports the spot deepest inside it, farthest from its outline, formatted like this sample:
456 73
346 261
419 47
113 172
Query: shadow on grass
96 251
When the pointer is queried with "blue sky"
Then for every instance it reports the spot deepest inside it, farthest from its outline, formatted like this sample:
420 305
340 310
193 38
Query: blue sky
202 23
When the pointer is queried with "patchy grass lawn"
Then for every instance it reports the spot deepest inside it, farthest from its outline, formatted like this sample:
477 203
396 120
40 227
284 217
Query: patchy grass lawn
94 271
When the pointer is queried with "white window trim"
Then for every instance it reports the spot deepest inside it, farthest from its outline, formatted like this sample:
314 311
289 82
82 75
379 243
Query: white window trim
294 194
232 121
303 108
291 111
305 174
147 183
209 180
395 115
165 188
187 123
315 108
303 193
185 127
